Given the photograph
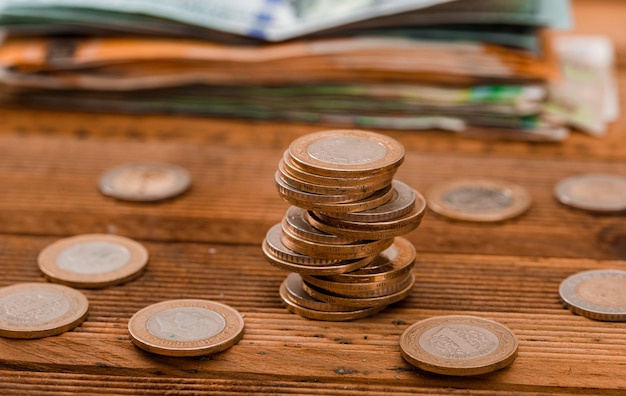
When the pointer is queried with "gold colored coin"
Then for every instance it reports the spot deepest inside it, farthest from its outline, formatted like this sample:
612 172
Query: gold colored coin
360 290
596 294
404 225
186 327
329 316
291 289
337 267
395 261
93 260
352 153
295 223
593 192
410 219
480 200
458 345
376 199
358 249
303 199
400 204
335 299
287 165
277 249
145 181
35 310
338 189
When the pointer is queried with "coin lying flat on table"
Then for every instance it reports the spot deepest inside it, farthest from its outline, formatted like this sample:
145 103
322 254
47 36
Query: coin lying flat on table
93 260
593 192
35 310
458 345
150 181
596 294
482 200
186 327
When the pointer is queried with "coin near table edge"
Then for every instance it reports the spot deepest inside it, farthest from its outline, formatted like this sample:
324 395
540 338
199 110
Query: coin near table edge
522 200
77 312
229 336
561 192
576 303
182 177
503 354
131 270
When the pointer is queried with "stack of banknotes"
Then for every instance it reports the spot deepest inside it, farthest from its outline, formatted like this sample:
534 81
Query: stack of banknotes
469 66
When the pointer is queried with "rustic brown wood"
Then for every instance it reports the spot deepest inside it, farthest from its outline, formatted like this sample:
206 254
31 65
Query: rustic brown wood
206 244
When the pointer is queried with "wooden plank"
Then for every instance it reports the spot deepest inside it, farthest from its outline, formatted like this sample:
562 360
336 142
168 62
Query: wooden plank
559 351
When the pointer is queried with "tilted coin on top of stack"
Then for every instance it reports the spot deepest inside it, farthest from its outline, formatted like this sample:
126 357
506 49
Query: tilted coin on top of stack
341 239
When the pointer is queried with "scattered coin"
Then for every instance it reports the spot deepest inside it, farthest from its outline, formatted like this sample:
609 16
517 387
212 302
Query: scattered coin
346 152
482 200
186 327
93 260
145 181
593 192
596 294
35 310
458 345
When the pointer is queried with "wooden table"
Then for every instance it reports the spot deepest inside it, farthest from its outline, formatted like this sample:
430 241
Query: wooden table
206 244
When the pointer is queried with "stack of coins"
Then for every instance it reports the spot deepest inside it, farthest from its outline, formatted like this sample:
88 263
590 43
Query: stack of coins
341 239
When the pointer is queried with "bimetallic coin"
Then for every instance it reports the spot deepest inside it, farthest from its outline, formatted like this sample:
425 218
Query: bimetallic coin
358 249
394 262
401 203
295 223
458 345
329 316
378 198
287 165
362 289
331 298
593 192
186 327
93 260
35 310
481 200
596 294
338 189
277 249
303 199
338 267
291 289
346 152
145 181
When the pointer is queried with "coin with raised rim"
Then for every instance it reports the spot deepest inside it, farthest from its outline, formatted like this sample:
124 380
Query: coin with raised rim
93 260
346 152
593 192
596 294
291 289
188 327
481 200
149 181
35 310
459 345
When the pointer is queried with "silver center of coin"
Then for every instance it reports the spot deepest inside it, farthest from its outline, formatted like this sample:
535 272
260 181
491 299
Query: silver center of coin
460 342
145 181
186 324
478 198
33 307
609 292
92 258
347 150
599 191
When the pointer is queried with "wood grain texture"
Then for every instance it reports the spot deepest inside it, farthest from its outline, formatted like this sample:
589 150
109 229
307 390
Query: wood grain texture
206 244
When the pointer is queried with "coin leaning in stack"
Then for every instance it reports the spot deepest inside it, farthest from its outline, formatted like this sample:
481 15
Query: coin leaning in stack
341 238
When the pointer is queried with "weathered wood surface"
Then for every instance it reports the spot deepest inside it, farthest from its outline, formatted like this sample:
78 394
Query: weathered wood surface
206 244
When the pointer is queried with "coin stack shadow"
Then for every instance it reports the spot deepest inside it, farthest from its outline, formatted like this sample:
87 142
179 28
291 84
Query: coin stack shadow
341 239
